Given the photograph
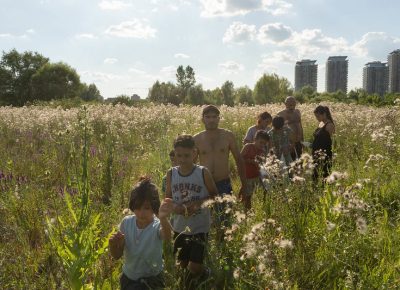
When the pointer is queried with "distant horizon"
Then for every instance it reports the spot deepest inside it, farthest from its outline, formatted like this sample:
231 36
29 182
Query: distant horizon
124 46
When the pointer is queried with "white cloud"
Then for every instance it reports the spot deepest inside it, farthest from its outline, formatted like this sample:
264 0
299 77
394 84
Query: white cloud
271 62
5 35
213 8
85 36
376 45
231 67
277 7
181 55
132 29
313 41
274 33
30 31
306 42
100 76
113 5
110 60
239 32
168 71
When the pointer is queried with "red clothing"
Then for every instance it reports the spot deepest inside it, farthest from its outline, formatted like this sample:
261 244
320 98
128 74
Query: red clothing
250 152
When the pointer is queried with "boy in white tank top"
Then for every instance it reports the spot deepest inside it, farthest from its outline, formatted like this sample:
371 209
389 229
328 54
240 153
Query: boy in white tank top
189 185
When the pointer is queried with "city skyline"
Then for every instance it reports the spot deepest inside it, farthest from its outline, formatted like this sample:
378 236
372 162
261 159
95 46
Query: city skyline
124 46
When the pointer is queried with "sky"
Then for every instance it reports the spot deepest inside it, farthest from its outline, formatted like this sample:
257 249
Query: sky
124 46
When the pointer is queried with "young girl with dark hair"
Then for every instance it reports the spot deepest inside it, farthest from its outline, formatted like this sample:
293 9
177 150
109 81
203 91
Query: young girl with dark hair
140 237
322 143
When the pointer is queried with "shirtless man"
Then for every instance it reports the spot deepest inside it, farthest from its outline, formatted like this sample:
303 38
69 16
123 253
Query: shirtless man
292 118
214 145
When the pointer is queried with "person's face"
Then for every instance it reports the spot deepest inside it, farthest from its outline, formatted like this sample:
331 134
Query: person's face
290 104
319 117
184 156
211 121
264 123
260 143
144 214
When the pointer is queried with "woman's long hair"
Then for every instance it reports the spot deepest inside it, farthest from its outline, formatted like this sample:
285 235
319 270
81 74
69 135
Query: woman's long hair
324 110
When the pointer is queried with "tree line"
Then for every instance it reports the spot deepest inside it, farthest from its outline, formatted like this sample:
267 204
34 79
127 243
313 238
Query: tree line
29 77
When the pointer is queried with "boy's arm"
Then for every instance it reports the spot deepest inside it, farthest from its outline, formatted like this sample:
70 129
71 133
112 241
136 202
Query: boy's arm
178 209
165 210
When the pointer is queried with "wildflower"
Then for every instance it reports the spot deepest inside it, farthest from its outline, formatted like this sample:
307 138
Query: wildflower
335 176
284 243
271 221
239 216
298 179
126 211
236 273
330 226
361 225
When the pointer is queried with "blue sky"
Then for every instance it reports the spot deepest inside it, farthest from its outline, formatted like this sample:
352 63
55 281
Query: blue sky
123 46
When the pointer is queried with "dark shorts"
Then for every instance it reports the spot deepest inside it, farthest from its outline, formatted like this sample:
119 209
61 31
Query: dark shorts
224 187
190 248
153 282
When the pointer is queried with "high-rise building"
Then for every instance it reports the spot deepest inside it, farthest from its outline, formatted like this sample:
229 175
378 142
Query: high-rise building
305 74
394 71
336 74
375 78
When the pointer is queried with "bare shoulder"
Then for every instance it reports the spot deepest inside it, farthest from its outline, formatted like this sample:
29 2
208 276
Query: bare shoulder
198 136
282 113
227 133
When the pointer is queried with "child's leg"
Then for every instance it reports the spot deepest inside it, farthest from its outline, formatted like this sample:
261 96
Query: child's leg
181 249
197 254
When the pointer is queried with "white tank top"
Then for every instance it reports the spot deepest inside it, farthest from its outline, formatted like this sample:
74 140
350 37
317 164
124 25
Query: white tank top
190 188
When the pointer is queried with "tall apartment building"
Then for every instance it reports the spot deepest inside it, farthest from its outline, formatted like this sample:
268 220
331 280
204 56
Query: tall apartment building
394 71
375 78
336 74
305 74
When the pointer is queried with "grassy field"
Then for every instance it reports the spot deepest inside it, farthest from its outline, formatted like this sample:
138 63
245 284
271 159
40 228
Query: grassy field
65 177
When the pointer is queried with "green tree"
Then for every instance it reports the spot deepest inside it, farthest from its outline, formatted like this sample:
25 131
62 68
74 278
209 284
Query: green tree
244 95
185 79
195 95
214 96
228 91
164 93
271 88
55 81
306 93
90 93
357 94
16 71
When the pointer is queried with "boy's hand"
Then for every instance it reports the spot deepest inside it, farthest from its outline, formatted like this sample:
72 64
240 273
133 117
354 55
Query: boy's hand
117 240
192 207
166 208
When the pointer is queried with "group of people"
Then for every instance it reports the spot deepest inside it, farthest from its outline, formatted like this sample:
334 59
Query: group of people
189 184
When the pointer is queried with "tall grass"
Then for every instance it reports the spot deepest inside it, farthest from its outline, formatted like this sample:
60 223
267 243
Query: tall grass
65 175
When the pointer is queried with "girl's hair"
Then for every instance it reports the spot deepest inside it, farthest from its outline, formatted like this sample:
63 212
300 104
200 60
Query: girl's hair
263 116
324 110
143 191
278 122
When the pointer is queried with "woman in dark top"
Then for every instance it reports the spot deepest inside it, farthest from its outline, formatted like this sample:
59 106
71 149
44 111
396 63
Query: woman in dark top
322 144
